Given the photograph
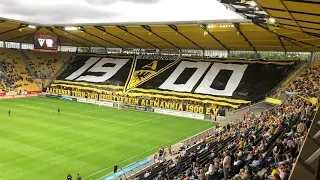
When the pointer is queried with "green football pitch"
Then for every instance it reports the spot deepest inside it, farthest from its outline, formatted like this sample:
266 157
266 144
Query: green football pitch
38 144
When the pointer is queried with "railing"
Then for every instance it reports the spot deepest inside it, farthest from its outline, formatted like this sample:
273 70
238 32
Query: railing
26 61
63 67
197 137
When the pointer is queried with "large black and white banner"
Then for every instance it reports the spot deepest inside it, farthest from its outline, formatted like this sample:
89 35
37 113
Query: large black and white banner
147 67
223 82
108 72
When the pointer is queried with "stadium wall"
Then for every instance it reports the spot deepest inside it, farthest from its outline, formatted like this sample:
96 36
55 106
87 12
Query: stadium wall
14 95
136 107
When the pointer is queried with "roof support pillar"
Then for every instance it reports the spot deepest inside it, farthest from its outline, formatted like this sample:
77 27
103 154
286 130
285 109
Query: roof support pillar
202 53
228 54
311 58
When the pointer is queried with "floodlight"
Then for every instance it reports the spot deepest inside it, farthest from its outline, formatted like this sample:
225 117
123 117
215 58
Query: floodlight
272 20
32 26
252 3
71 28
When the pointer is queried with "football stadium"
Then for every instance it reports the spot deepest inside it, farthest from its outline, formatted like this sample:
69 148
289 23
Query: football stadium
166 100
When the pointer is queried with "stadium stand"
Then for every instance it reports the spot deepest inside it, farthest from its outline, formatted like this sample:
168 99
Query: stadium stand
45 64
307 82
3 86
48 63
13 66
265 146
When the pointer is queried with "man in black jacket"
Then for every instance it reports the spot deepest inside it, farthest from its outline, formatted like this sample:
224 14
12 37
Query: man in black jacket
69 177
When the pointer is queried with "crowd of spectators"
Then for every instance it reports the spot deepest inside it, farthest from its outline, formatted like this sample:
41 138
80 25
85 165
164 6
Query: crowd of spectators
14 72
45 64
307 82
263 146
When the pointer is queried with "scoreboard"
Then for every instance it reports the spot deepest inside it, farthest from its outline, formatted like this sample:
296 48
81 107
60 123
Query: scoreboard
46 43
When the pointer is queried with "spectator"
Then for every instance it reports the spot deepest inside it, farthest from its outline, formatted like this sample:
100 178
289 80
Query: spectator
226 165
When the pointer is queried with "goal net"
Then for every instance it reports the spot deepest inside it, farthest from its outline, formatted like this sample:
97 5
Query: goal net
108 103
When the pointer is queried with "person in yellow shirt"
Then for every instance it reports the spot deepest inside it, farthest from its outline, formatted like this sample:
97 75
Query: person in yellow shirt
241 144
274 170
271 130
277 120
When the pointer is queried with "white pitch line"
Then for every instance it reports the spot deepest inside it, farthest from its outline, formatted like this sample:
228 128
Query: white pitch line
141 122
30 107
70 102
141 154
78 115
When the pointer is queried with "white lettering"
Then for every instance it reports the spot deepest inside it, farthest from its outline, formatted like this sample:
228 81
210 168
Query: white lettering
232 84
81 70
109 71
192 81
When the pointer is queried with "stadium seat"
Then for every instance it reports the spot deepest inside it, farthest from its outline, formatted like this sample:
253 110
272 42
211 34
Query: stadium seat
13 65
45 62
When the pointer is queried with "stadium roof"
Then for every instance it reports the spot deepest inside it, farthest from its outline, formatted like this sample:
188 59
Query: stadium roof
297 29
298 20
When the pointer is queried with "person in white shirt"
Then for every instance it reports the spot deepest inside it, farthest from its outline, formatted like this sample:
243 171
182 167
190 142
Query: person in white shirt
210 169
226 165
237 162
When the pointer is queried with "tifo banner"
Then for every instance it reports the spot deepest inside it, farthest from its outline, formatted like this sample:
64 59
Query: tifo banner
136 101
106 72
146 67
232 81
273 101
219 82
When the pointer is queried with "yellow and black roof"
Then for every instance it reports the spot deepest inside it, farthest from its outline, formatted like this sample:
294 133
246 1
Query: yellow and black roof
297 29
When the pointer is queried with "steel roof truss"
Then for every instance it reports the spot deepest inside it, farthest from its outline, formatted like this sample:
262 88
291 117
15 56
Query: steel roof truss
50 29
101 28
61 29
84 30
175 28
204 27
124 28
237 26
148 28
